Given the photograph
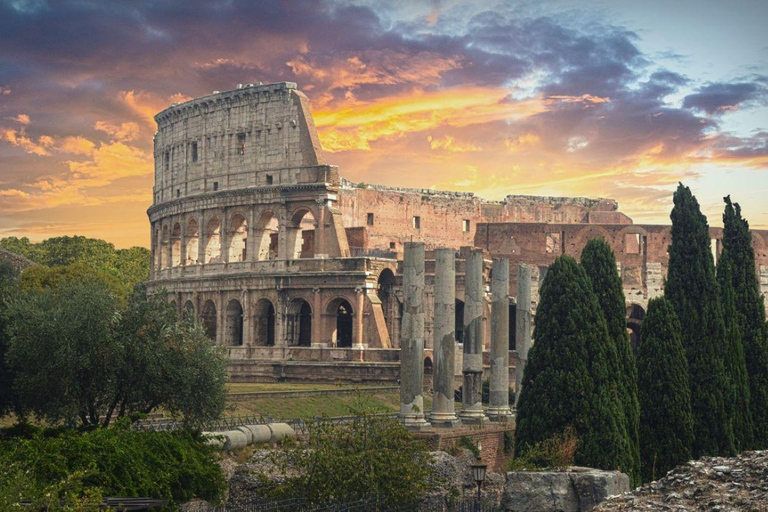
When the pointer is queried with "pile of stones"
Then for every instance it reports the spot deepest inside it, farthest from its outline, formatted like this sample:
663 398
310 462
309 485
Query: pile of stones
715 484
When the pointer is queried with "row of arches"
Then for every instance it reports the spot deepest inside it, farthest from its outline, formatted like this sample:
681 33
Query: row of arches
296 327
188 244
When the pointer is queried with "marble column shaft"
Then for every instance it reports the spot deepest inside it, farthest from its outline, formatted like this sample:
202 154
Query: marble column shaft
522 324
474 300
412 348
444 346
498 409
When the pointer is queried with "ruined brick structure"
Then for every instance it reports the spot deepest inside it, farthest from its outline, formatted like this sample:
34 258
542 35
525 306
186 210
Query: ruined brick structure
298 272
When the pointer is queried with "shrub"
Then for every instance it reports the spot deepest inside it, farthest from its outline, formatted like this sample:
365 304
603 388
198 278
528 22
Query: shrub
555 453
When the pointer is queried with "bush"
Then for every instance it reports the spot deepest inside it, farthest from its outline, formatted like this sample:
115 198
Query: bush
176 466
555 453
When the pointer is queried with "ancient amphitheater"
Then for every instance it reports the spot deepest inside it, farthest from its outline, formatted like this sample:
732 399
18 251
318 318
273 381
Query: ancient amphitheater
298 271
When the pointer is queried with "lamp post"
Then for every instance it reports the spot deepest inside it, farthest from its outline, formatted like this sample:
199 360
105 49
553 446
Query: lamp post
478 471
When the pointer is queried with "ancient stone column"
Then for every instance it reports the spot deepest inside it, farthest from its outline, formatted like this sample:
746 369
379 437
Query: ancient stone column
498 409
474 298
522 324
444 346
412 348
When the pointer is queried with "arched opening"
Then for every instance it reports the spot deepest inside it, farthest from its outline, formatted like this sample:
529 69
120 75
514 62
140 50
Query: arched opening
386 293
234 333
164 248
299 323
174 306
341 311
266 234
301 235
208 319
176 245
427 365
459 322
635 317
189 311
512 327
193 235
213 241
265 323
238 239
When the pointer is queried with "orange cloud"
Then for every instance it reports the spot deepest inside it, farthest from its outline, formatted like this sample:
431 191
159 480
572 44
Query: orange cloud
449 143
122 132
20 139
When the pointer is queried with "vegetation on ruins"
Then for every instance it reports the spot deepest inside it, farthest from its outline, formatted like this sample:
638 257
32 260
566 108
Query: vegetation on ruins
8 282
737 404
567 381
79 355
372 459
692 288
599 262
128 266
63 469
555 453
666 424
749 314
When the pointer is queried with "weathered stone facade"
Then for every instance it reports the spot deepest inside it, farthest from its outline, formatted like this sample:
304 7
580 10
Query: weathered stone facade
299 272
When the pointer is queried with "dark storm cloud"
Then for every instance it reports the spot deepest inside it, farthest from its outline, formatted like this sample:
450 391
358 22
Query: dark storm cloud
717 98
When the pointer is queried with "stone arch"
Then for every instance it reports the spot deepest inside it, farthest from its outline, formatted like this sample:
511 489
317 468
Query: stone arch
189 311
339 312
264 320
176 245
427 365
298 325
459 323
388 297
233 334
213 241
585 235
238 238
193 239
164 248
301 234
266 235
208 319
635 317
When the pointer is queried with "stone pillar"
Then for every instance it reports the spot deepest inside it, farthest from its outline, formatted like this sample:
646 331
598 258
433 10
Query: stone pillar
202 240
498 409
443 413
317 317
522 325
225 236
320 250
281 318
474 294
359 338
412 349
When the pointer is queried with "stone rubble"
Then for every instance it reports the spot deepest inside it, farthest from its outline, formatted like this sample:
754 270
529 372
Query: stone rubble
716 484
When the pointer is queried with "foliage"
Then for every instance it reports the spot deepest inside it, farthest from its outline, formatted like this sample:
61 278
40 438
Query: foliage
555 453
177 466
566 382
79 355
8 283
67 494
666 424
372 458
599 263
486 393
128 266
692 289
467 444
737 404
39 277
750 314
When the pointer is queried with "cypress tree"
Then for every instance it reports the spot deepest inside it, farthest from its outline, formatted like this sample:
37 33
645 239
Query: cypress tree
666 425
599 262
566 382
750 314
692 289
737 404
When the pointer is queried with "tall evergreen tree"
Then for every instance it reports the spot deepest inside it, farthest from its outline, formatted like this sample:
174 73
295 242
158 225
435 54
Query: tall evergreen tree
566 382
666 425
750 306
692 289
599 262
737 404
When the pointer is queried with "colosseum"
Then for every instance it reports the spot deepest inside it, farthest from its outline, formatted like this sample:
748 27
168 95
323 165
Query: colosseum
297 271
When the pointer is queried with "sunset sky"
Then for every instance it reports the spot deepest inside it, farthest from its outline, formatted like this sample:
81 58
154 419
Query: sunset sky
602 98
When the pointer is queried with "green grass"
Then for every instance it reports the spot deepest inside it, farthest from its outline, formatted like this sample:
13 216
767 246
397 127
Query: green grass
255 387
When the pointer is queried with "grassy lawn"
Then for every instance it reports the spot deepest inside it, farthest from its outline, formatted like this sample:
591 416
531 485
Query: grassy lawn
254 387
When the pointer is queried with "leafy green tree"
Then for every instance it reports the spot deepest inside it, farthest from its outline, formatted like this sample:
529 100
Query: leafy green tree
79 355
22 247
40 277
750 314
8 285
692 289
567 381
666 424
737 404
132 266
66 250
599 262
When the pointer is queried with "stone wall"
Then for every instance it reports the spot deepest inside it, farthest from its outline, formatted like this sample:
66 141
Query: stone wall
17 261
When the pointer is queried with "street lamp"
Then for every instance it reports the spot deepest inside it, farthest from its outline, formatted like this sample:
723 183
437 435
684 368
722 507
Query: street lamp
478 471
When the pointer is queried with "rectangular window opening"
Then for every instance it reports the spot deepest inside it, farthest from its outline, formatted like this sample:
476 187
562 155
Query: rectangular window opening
417 222
632 243
392 245
369 219
167 160
194 151
240 143
178 192
465 225
215 185
270 179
